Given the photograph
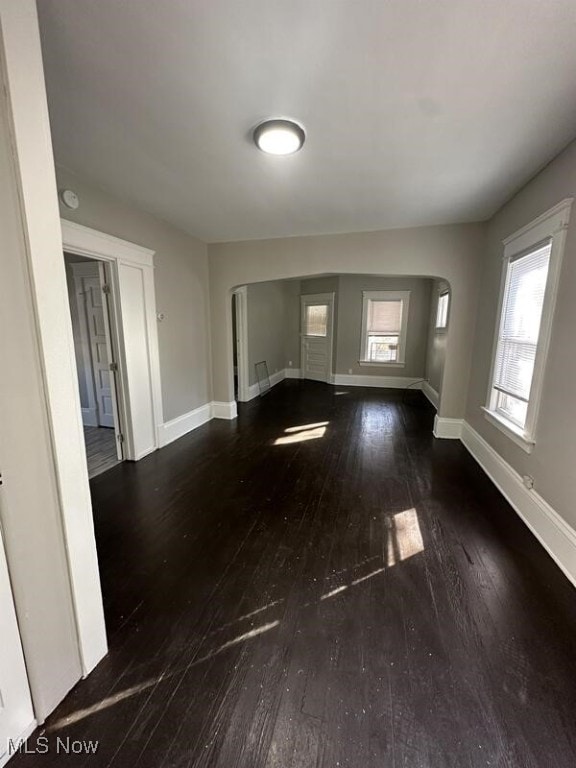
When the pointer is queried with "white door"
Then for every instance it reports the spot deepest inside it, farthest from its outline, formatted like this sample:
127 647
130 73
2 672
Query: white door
316 335
16 716
97 316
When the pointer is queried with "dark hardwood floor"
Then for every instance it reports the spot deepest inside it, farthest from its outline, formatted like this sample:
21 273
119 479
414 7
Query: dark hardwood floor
351 593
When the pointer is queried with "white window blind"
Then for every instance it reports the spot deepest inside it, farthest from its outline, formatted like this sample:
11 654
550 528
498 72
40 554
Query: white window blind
519 330
442 310
384 317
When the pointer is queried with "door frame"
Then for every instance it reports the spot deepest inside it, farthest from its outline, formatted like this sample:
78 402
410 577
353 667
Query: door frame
317 298
241 342
120 255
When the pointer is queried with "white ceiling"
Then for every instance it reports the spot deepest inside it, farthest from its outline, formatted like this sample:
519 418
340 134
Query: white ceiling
417 111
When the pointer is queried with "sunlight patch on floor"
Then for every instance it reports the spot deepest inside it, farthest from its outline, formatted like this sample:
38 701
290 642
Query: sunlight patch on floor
305 434
404 537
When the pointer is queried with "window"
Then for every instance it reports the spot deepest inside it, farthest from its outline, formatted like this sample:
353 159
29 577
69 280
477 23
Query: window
384 324
442 311
530 278
316 320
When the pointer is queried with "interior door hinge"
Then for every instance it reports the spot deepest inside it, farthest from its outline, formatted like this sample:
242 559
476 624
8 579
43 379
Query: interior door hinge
106 289
114 367
120 437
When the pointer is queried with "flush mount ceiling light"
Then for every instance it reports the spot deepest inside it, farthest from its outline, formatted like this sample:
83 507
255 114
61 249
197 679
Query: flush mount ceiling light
279 137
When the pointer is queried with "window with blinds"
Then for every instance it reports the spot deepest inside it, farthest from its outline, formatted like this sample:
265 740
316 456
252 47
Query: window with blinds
384 327
517 342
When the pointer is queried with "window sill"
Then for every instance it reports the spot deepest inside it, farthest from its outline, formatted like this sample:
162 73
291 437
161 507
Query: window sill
371 363
510 430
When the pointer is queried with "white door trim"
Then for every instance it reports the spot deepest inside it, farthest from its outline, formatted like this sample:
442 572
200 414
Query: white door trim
241 342
317 298
121 254
24 87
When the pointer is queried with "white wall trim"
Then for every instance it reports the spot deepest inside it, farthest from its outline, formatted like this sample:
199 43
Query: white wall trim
224 410
26 733
448 429
388 382
241 342
551 530
430 393
98 245
34 161
275 378
132 270
293 373
180 426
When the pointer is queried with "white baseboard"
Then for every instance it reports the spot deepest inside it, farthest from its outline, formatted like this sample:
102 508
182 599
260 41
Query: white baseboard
275 378
431 394
389 382
448 429
551 530
90 417
224 410
293 373
5 755
172 430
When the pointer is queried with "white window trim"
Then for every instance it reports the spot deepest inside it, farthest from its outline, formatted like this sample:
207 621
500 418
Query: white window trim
403 296
442 328
549 227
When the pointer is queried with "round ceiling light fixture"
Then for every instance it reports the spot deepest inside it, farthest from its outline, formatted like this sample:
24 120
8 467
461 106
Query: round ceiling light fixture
279 136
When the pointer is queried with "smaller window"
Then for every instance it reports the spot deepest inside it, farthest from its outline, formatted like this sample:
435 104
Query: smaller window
442 311
316 320
384 325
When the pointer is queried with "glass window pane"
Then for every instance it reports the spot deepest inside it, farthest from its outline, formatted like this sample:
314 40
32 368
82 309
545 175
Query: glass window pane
382 349
442 311
514 409
316 320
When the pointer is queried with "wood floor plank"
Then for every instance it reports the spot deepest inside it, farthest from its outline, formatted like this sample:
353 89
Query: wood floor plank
322 583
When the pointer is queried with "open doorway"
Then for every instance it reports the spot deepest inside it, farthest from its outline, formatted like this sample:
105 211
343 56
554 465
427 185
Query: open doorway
94 330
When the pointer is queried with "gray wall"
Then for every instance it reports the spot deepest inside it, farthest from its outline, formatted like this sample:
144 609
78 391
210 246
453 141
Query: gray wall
181 282
350 324
266 309
436 351
452 252
553 460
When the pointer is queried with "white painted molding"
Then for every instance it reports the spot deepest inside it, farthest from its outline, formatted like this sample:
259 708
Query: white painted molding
551 530
29 730
134 305
178 427
224 410
431 394
89 242
448 429
388 382
25 87
275 378
89 417
293 373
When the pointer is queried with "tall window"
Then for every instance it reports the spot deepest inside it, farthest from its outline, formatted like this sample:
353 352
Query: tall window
530 277
442 311
384 326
